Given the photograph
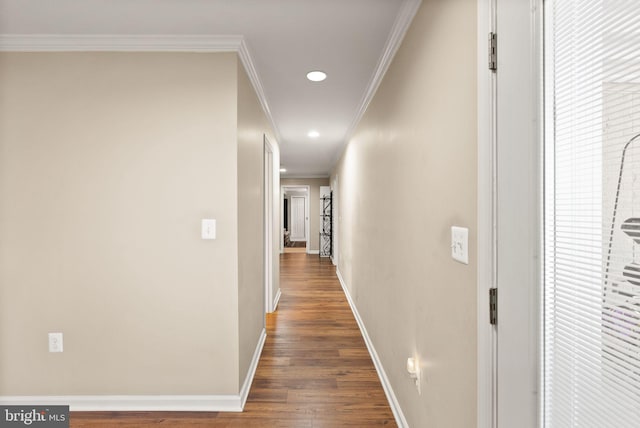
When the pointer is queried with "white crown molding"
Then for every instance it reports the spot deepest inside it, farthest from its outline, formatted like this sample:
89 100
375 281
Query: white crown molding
245 57
141 43
408 10
117 43
401 421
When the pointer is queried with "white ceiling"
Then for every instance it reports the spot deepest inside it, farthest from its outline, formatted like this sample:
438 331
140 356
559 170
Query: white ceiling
351 40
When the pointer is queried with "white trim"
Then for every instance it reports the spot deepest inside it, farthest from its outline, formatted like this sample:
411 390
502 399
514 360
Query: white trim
316 252
307 217
517 212
407 11
296 176
142 43
247 61
269 208
541 22
281 218
401 421
486 333
277 300
246 386
133 403
335 229
150 403
537 86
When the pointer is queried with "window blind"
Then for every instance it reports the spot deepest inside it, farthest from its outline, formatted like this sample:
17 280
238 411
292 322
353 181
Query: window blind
591 322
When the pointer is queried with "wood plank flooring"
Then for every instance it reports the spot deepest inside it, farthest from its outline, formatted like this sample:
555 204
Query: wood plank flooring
314 372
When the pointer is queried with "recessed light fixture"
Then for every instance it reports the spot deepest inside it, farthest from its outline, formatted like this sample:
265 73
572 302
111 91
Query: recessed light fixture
283 169
313 134
316 76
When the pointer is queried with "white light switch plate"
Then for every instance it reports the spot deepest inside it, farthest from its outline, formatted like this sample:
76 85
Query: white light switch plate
208 228
460 244
55 342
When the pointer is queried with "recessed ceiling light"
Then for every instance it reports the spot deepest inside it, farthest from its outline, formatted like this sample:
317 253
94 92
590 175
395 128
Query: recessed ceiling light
283 169
316 76
313 134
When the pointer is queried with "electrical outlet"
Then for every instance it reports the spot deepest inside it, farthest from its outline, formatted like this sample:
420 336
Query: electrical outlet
460 244
55 342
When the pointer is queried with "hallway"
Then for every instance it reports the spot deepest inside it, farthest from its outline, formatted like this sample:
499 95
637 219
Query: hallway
315 370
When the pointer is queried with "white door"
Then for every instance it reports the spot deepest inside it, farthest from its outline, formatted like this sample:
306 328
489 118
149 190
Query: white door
298 218
517 206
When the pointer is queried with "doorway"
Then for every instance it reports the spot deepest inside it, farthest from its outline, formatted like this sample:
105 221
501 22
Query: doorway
295 219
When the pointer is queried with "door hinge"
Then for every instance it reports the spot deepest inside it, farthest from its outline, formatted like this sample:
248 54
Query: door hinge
493 51
493 306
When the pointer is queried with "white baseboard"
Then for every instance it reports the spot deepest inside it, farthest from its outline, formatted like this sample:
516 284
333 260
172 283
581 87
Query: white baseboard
386 385
133 403
246 387
277 300
313 251
150 403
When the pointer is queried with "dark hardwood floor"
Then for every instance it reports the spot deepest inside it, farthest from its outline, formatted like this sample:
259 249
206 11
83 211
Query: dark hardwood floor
315 370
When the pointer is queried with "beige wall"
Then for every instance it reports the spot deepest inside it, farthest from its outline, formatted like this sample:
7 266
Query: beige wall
314 205
252 124
408 175
108 162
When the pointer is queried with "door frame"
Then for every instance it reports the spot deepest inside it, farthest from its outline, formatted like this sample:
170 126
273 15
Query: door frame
283 189
486 251
335 256
269 215
489 211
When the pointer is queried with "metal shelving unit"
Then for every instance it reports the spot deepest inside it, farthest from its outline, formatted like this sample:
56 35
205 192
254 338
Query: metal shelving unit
326 224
